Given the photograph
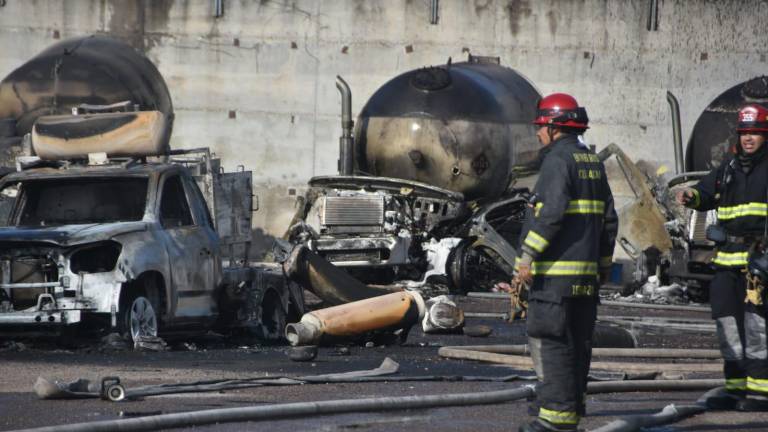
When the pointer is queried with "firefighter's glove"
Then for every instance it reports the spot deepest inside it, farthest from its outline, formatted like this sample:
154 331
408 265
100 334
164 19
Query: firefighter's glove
686 197
523 271
755 290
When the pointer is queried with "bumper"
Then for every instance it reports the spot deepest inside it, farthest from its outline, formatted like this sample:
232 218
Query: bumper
40 318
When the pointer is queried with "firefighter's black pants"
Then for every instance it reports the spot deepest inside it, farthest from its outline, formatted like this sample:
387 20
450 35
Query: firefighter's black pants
561 346
741 330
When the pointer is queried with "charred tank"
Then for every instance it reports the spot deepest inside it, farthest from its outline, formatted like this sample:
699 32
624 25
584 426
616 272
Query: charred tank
715 130
460 126
90 71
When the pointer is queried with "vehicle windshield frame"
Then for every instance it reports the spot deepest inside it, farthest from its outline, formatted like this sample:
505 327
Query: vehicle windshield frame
17 217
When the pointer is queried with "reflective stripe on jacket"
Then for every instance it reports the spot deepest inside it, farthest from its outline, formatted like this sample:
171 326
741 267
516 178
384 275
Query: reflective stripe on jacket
741 200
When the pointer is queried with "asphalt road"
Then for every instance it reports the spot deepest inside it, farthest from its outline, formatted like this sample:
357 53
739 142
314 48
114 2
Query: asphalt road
216 358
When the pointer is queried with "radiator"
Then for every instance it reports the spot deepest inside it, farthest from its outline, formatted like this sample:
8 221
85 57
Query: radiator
363 210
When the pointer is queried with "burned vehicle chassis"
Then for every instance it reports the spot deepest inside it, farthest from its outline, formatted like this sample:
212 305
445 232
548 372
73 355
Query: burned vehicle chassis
386 231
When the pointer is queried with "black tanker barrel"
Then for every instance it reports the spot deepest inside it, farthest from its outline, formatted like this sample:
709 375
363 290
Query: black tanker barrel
460 126
90 70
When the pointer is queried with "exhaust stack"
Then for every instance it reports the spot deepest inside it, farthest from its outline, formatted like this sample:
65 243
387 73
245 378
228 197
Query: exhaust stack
674 108
346 141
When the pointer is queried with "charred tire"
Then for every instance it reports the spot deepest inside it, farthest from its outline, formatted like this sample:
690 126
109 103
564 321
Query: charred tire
137 316
271 328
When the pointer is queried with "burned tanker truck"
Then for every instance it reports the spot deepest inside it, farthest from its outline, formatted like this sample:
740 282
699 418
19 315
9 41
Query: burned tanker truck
428 193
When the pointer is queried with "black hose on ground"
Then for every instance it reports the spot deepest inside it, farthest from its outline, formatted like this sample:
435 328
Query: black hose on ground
669 414
270 412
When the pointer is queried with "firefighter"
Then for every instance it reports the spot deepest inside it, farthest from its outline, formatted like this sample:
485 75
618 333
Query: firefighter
738 189
566 247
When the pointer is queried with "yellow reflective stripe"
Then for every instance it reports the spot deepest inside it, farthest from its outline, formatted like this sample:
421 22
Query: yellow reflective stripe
731 259
736 384
564 268
582 290
741 210
537 209
606 261
559 417
535 241
758 385
585 207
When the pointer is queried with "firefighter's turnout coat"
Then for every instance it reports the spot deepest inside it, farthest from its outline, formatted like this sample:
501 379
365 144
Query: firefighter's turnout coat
741 203
572 233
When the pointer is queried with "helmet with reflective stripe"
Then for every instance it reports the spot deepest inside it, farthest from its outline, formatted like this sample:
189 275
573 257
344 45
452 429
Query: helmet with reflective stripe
562 110
753 118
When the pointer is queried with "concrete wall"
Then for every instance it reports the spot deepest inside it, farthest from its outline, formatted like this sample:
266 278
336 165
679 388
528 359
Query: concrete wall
257 84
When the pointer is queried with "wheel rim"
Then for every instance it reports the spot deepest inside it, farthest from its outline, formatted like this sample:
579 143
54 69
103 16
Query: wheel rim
143 318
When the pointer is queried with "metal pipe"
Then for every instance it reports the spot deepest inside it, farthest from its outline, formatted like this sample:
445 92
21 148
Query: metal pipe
674 107
293 410
607 303
332 284
434 9
218 8
523 349
388 312
346 141
526 362
652 24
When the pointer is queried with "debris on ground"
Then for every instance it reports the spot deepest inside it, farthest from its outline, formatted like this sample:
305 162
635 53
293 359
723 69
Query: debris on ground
149 343
302 353
13 346
443 316
113 342
653 292
478 330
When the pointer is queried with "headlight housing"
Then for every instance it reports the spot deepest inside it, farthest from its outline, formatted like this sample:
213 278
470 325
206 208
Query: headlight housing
98 257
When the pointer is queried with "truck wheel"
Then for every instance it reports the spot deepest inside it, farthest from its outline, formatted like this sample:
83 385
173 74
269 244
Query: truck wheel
271 329
138 317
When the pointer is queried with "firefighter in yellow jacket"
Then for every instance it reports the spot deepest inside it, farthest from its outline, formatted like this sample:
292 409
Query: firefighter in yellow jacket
567 246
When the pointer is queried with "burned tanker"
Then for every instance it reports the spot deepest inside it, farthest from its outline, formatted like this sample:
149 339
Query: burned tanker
90 74
426 191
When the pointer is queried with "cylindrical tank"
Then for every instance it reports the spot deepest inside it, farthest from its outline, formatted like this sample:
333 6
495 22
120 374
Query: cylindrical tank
459 126
94 70
715 130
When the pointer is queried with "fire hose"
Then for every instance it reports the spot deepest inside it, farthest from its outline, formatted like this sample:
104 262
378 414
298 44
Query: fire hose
298 409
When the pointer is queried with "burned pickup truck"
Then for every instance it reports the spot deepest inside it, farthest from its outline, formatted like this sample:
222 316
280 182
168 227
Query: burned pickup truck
135 246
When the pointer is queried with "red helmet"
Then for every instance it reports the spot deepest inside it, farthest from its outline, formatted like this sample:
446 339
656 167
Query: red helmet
753 118
560 109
